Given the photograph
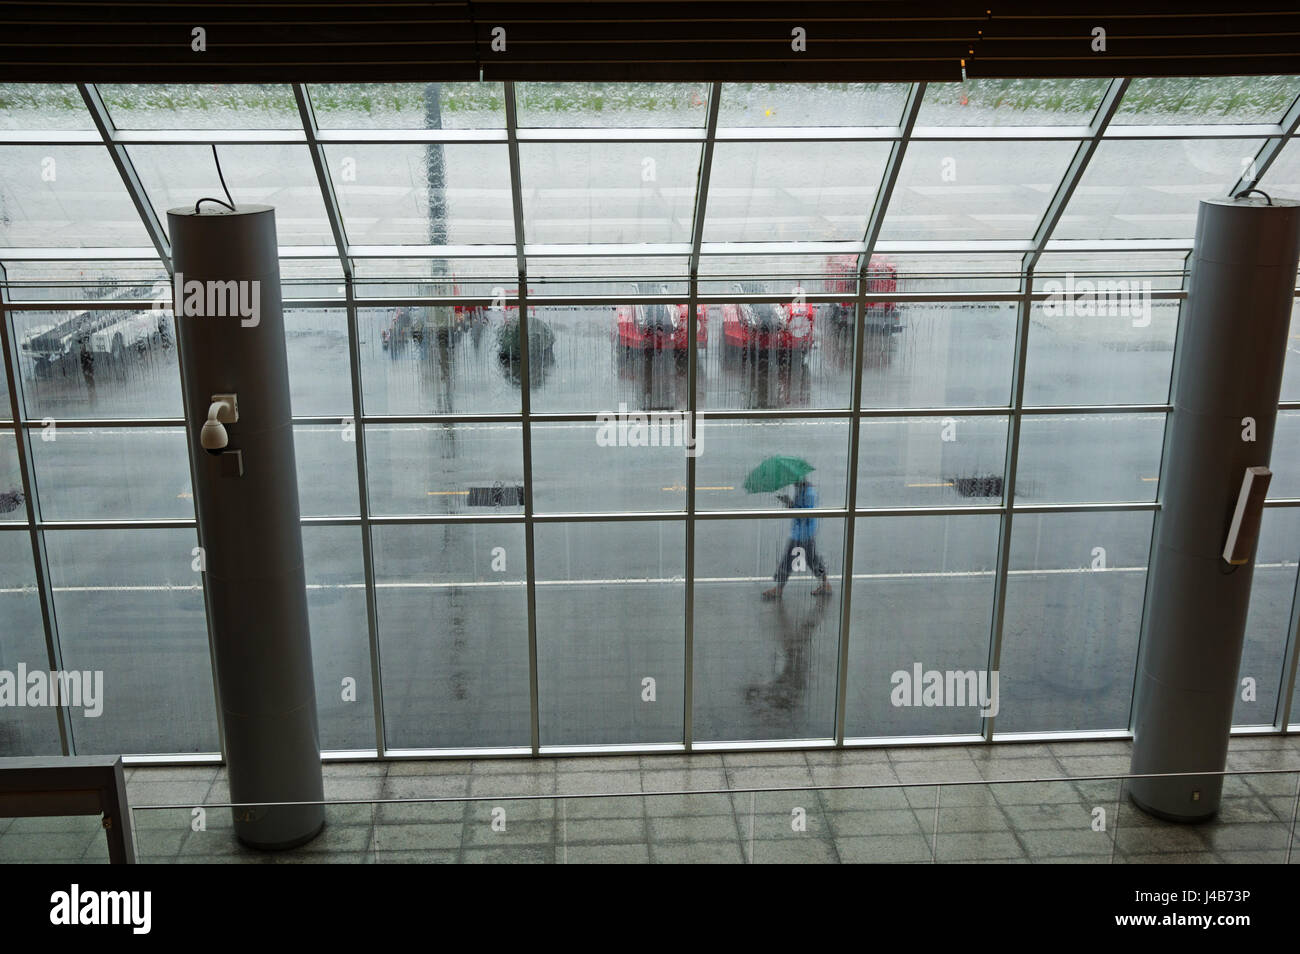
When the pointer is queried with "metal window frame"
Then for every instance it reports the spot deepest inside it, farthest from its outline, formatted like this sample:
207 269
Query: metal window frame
697 255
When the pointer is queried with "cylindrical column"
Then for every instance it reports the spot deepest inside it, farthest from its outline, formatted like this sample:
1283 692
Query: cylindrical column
231 337
1232 341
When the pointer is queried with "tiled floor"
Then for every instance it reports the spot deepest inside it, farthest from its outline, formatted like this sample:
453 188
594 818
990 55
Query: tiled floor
1002 823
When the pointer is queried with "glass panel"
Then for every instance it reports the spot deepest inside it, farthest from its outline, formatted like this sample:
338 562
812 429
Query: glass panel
1070 635
608 192
626 463
1268 624
1207 99
201 106
612 104
1291 370
118 473
605 356
1294 721
793 191
98 364
1149 188
453 632
610 616
1012 102
320 379
974 190
776 355
923 591
65 196
765 668
440 360
280 176
931 461
812 104
130 604
444 468
59 840
1285 460
380 277
311 278
408 105
1102 342
1089 458
87 280
813 273
1158 270
42 106
327 470
1283 176
946 272
12 499
384 194
340 643
729 451
924 354
26 730
608 275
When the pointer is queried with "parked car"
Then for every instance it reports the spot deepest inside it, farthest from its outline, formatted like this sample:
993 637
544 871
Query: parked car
881 317
404 327
660 327
784 327
101 336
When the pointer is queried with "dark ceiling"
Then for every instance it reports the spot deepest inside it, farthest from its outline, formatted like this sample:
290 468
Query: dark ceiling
323 40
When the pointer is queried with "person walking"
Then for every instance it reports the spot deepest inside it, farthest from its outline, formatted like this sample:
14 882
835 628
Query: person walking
87 358
802 543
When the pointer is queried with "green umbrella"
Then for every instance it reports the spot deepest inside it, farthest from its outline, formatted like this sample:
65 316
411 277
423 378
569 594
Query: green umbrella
775 473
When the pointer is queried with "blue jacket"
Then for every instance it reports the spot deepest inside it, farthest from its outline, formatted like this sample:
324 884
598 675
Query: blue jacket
804 529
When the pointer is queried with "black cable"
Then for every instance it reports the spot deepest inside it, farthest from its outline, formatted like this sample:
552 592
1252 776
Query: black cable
230 203
1245 192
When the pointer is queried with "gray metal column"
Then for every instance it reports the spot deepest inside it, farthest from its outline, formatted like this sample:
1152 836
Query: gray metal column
230 334
1231 346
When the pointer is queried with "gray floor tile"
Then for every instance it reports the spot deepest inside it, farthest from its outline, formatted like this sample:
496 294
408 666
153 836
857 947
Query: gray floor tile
883 849
695 853
999 769
1053 842
683 780
897 821
515 832
977 846
364 769
694 828
1060 815
52 847
610 831
510 855
415 836
671 762
577 783
628 854
405 767
874 773
797 851
1096 765
427 786
496 785
973 819
417 857
597 764
177 792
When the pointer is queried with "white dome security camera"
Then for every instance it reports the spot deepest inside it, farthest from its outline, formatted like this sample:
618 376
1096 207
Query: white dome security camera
223 410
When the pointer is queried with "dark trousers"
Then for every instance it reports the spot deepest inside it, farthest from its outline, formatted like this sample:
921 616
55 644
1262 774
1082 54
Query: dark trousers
810 556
